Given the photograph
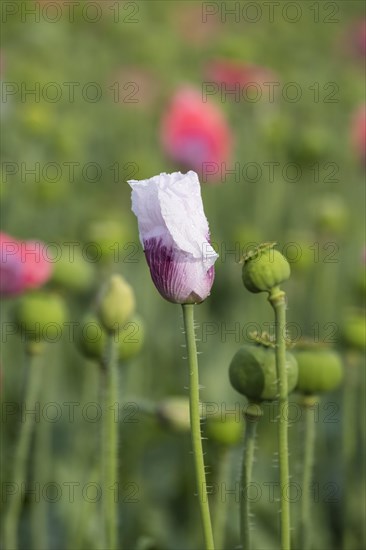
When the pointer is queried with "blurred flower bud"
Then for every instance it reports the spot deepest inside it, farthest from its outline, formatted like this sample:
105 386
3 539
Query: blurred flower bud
265 269
107 236
252 372
247 235
310 147
49 192
131 338
331 214
92 338
354 330
41 316
227 431
300 252
72 271
320 370
173 412
116 304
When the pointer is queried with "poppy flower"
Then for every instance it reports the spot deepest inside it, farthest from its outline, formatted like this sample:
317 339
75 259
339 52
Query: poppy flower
174 233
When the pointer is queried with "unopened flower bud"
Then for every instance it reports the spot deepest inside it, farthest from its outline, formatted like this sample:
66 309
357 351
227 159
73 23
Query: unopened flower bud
252 372
330 214
92 338
108 237
320 370
72 271
131 338
40 316
116 305
227 431
354 330
173 412
265 269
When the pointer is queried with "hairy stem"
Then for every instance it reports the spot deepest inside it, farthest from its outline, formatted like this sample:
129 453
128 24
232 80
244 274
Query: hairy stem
110 444
277 300
195 425
246 477
305 526
21 456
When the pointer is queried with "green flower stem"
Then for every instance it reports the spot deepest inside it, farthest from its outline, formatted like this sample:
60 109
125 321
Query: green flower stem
110 443
195 425
309 447
41 474
350 447
27 424
277 300
246 477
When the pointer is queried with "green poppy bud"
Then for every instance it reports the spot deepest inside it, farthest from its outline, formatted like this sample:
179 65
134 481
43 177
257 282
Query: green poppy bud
299 252
108 235
265 269
173 412
310 147
116 304
40 316
330 214
92 338
228 431
354 331
72 271
320 370
131 338
252 372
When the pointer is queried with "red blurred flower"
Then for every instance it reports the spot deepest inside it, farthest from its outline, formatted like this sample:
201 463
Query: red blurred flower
358 132
235 72
23 265
195 133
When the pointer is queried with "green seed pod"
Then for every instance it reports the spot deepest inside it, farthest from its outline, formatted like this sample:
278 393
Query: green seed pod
252 372
131 338
92 338
173 412
116 304
72 271
265 269
354 331
320 370
225 432
40 316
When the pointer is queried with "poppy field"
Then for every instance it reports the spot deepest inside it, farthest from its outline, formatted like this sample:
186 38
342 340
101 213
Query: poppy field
182 275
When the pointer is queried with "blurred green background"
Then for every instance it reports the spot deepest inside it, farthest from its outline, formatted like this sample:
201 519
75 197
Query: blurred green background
159 46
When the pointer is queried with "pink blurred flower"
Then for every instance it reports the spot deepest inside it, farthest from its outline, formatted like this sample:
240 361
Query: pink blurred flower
235 72
11 272
195 133
355 39
23 265
358 132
